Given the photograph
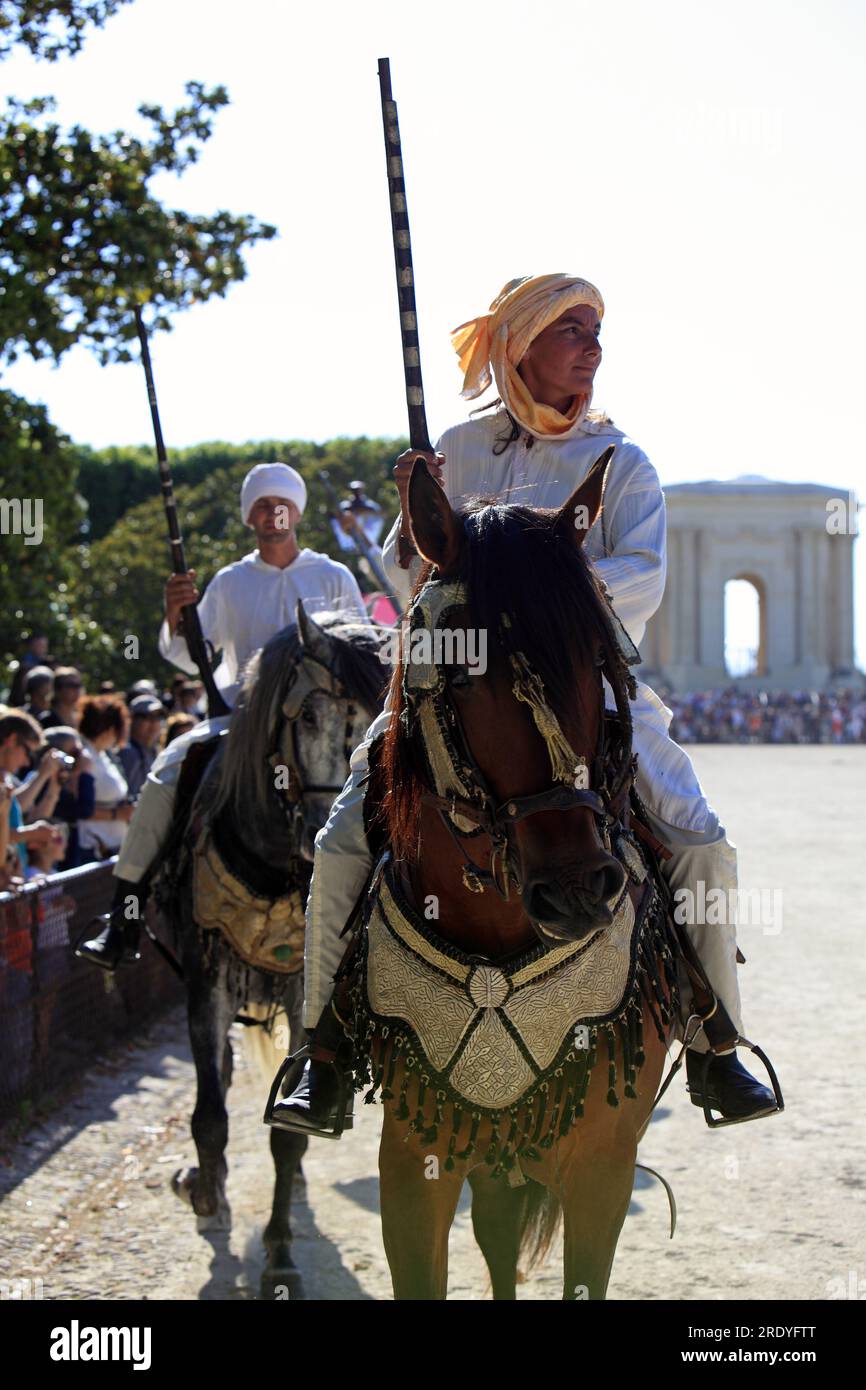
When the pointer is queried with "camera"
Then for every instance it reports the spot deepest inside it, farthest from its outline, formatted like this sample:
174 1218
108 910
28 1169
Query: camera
67 764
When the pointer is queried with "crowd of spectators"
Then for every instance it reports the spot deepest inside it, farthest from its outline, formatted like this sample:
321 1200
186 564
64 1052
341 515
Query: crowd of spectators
73 762
734 715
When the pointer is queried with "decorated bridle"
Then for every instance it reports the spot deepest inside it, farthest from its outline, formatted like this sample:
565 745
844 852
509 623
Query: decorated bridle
462 796
310 677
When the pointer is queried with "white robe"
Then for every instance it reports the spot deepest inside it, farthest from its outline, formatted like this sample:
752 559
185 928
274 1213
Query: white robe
110 789
248 602
626 546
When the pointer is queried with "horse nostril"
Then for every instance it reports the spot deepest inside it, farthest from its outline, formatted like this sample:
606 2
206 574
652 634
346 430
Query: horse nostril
571 908
612 880
545 904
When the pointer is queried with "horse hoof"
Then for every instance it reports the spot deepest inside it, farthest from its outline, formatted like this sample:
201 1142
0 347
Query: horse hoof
220 1220
183 1185
182 1182
281 1284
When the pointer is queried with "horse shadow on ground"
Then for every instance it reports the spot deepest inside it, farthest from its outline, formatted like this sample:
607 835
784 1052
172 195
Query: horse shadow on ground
322 1274
89 1099
230 1277
365 1192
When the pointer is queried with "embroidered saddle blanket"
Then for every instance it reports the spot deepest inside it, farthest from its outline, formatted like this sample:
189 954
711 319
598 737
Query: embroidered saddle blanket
490 1032
267 933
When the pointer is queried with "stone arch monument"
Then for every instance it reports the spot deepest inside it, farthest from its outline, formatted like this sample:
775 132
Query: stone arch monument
794 542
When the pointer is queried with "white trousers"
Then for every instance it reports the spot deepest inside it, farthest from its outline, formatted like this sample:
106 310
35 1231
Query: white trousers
343 860
151 821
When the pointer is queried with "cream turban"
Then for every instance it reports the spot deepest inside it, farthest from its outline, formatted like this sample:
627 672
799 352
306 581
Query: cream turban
491 347
272 480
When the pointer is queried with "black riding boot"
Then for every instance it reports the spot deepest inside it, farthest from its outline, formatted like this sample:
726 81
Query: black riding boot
321 1100
117 942
731 1089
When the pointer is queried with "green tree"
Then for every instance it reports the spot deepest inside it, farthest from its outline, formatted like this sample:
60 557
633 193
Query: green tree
50 28
120 576
37 467
113 480
83 240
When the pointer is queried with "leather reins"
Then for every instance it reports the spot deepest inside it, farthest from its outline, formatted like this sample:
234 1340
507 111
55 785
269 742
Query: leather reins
497 820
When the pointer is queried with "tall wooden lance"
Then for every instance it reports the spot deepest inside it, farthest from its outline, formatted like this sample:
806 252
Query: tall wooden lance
195 641
418 436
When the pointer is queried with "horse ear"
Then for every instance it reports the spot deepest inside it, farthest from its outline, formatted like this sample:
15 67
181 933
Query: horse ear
314 639
436 529
583 506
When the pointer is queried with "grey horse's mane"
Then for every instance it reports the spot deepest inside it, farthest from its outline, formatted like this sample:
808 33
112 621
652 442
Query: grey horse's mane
246 776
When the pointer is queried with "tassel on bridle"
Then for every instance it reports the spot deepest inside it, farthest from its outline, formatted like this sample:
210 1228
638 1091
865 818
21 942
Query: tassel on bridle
566 766
474 802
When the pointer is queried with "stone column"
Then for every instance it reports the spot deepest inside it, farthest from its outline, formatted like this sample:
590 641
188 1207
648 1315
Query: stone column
797 656
698 628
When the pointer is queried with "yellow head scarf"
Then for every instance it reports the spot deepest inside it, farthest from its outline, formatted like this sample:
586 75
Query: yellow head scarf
491 347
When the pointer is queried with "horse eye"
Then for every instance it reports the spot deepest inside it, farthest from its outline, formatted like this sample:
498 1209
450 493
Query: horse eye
308 716
460 679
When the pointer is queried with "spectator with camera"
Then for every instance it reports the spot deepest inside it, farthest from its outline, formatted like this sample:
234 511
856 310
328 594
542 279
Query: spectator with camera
39 790
20 739
77 798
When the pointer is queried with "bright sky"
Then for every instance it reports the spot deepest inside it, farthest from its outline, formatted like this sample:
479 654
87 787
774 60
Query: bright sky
701 164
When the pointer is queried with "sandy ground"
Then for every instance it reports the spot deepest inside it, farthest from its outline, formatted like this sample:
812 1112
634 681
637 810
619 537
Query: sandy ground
775 1209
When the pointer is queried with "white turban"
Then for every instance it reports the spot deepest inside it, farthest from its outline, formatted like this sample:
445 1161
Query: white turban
272 480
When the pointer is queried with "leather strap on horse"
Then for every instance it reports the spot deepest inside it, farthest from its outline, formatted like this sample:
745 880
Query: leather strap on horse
651 841
192 770
174 964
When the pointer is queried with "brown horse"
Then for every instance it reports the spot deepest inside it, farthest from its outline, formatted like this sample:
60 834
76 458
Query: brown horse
516 938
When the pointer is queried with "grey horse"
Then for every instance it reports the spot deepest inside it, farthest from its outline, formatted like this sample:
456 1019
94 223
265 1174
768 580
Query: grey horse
262 792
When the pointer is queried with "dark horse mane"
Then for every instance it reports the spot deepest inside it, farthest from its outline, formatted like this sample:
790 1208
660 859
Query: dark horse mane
513 561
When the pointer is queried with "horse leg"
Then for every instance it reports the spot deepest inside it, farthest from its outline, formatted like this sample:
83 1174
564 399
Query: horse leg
281 1277
418 1200
210 1010
591 1171
228 1066
595 1190
497 1220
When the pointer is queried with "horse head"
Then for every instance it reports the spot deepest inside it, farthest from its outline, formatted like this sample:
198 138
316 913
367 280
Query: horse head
333 694
307 699
505 706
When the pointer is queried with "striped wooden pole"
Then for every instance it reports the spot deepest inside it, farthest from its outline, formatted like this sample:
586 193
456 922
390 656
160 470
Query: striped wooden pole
192 633
418 436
